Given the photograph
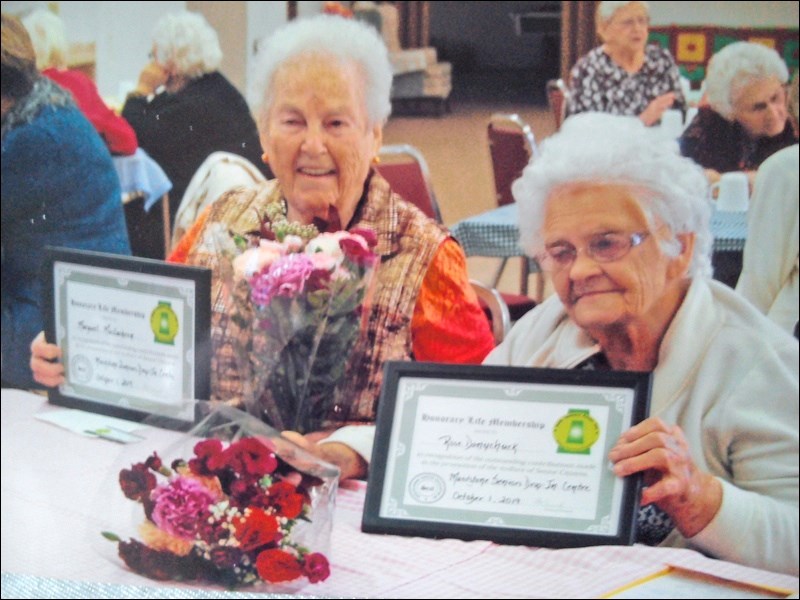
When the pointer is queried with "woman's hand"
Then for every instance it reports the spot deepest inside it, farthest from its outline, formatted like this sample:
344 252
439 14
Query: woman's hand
691 497
656 108
351 464
45 369
151 78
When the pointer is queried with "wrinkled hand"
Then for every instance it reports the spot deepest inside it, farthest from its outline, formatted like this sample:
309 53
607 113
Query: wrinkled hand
691 497
351 464
656 108
151 78
43 356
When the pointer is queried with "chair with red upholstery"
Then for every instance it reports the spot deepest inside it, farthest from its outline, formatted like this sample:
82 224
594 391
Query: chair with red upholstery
406 170
511 147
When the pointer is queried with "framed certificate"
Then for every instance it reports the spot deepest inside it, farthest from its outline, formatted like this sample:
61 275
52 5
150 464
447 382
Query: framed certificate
509 454
134 334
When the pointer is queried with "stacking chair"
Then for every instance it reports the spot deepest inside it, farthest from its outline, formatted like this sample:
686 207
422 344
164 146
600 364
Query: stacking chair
406 170
557 94
220 172
495 307
511 147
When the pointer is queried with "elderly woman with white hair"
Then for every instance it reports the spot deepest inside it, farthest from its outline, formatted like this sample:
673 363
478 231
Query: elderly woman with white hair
745 120
323 92
620 221
49 38
183 108
625 75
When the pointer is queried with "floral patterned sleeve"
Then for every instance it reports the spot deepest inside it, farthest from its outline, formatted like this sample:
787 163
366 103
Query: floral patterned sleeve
449 324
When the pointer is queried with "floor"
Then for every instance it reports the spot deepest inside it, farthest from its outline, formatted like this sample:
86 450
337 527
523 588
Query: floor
457 153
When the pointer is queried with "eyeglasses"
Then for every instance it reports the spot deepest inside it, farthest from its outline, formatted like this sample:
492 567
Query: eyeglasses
603 248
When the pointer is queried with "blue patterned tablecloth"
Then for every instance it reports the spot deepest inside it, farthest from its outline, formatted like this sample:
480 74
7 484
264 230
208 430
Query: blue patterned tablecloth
496 233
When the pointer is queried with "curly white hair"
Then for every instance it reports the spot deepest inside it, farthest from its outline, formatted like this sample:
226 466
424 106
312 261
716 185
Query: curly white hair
608 149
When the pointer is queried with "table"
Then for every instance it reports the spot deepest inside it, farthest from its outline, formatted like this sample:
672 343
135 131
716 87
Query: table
52 514
144 183
495 233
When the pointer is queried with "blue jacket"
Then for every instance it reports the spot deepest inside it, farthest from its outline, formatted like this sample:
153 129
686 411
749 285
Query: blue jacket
59 188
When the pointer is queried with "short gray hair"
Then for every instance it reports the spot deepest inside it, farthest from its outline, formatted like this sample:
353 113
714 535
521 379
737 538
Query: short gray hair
601 148
328 35
49 38
606 9
735 67
187 43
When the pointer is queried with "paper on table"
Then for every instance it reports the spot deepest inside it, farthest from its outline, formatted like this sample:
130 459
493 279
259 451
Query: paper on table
93 425
679 582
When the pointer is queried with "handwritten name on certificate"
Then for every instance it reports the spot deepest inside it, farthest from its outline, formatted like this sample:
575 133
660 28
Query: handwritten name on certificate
126 342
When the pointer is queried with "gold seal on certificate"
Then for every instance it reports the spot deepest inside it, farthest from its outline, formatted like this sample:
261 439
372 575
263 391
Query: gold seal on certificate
576 432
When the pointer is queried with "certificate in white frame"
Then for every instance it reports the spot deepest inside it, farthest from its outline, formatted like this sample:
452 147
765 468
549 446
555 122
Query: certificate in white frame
509 454
134 335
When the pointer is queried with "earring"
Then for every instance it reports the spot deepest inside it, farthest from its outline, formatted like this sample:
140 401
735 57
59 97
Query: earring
376 160
265 158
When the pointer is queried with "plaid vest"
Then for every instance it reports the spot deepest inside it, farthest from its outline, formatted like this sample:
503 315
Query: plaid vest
407 243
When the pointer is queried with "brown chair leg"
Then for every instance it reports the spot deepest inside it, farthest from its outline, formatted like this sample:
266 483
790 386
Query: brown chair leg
167 224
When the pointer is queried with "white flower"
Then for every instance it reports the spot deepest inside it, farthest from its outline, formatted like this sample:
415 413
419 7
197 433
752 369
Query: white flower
254 260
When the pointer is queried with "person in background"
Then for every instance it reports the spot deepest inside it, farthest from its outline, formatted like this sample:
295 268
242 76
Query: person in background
50 43
324 90
59 188
769 276
744 120
625 75
184 108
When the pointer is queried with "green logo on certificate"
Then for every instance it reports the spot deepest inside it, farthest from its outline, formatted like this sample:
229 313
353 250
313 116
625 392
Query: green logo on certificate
576 432
164 323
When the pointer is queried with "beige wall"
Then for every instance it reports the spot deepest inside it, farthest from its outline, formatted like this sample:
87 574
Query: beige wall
229 19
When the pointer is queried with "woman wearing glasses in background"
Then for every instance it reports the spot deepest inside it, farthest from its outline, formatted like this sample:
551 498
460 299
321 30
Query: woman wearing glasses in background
625 76
621 223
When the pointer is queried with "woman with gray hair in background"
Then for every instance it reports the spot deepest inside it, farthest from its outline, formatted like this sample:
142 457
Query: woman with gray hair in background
620 221
745 120
769 277
625 75
183 108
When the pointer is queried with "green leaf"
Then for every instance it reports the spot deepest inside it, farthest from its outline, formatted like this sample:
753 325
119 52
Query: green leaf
113 537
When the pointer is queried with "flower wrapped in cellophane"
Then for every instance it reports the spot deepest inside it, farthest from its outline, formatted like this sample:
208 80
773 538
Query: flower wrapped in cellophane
298 299
231 504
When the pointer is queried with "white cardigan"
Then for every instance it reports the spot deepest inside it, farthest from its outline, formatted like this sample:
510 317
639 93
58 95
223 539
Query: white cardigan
729 377
769 276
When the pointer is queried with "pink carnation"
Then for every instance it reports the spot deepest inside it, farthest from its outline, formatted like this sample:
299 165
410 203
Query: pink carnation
286 277
178 506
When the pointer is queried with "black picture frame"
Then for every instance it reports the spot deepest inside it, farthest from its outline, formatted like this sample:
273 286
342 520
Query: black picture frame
456 446
126 351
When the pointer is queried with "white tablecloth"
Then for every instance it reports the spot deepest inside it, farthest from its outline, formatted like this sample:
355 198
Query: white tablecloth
52 514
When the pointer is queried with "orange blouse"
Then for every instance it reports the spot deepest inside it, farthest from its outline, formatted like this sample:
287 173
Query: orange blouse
448 325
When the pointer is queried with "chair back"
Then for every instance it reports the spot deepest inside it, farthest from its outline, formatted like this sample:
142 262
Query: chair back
406 170
511 147
220 172
495 307
557 94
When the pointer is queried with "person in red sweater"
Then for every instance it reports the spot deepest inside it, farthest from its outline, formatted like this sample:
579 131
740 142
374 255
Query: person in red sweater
49 39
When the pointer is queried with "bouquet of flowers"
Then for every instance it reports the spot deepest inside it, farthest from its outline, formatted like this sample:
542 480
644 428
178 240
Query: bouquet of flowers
300 296
234 513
